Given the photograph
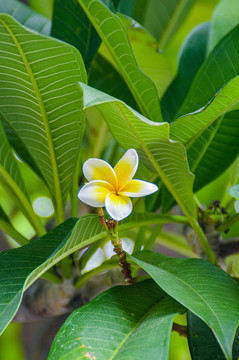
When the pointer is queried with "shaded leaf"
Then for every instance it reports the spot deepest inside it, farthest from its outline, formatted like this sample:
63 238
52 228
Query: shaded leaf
215 150
104 77
162 18
203 288
26 16
40 74
150 59
117 324
20 148
188 128
202 342
224 19
191 57
71 25
211 153
220 66
113 34
3 215
9 172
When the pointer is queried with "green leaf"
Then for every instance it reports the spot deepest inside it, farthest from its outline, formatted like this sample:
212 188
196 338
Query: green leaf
20 267
26 16
203 288
9 171
113 34
117 324
40 74
191 57
151 140
215 150
127 7
12 182
217 70
211 153
234 191
3 216
104 77
218 141
71 25
188 128
224 19
42 6
162 18
150 59
20 148
202 342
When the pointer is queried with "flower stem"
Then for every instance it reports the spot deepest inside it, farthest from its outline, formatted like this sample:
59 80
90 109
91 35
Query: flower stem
112 228
102 218
117 244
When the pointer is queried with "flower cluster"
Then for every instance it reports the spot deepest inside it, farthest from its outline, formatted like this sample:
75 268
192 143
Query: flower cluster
113 187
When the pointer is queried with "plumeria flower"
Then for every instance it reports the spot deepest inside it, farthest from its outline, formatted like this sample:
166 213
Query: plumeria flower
113 187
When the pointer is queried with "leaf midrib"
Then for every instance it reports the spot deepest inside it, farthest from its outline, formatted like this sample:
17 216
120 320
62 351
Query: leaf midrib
135 327
203 152
56 178
125 75
167 33
194 291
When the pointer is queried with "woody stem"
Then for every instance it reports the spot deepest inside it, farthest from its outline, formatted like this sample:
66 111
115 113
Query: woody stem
116 242
102 218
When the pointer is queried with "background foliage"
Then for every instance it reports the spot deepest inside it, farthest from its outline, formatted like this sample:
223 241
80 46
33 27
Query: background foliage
92 78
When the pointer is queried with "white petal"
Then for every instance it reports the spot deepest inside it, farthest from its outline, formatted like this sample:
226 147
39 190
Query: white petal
126 167
95 192
97 169
138 188
118 206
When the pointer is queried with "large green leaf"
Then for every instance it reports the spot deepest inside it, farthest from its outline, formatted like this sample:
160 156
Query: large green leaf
113 34
151 61
19 268
203 288
9 171
71 25
163 17
191 56
220 66
215 150
188 128
224 19
42 103
202 342
19 147
12 182
26 16
121 323
131 130
218 141
104 77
